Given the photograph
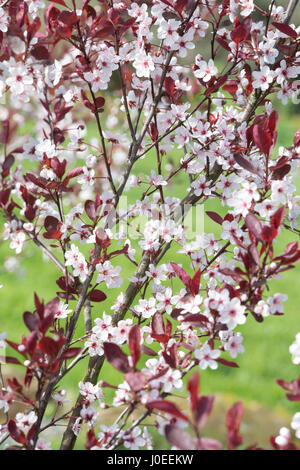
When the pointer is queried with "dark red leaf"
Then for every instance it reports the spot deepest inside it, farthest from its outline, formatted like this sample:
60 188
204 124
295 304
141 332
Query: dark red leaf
31 342
223 43
215 217
49 346
246 164
241 30
206 443
70 353
183 276
281 172
179 438
180 5
285 29
40 52
203 409
157 324
169 85
196 319
233 421
97 295
73 173
254 225
136 380
69 18
193 389
31 320
170 356
102 239
99 102
10 360
60 2
297 138
277 217
147 351
5 132
268 233
167 407
8 162
226 363
116 357
113 15
195 282
15 432
134 340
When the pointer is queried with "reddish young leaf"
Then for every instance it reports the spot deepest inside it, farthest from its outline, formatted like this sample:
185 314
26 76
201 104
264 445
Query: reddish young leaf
91 440
262 139
253 258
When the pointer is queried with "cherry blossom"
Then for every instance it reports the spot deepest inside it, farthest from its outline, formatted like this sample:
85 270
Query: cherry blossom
295 350
295 424
206 357
205 70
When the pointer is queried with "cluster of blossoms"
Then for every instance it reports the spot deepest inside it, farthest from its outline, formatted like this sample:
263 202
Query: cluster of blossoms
172 129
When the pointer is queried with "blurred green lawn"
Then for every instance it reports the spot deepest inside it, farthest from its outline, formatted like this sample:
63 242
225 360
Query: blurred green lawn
266 357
